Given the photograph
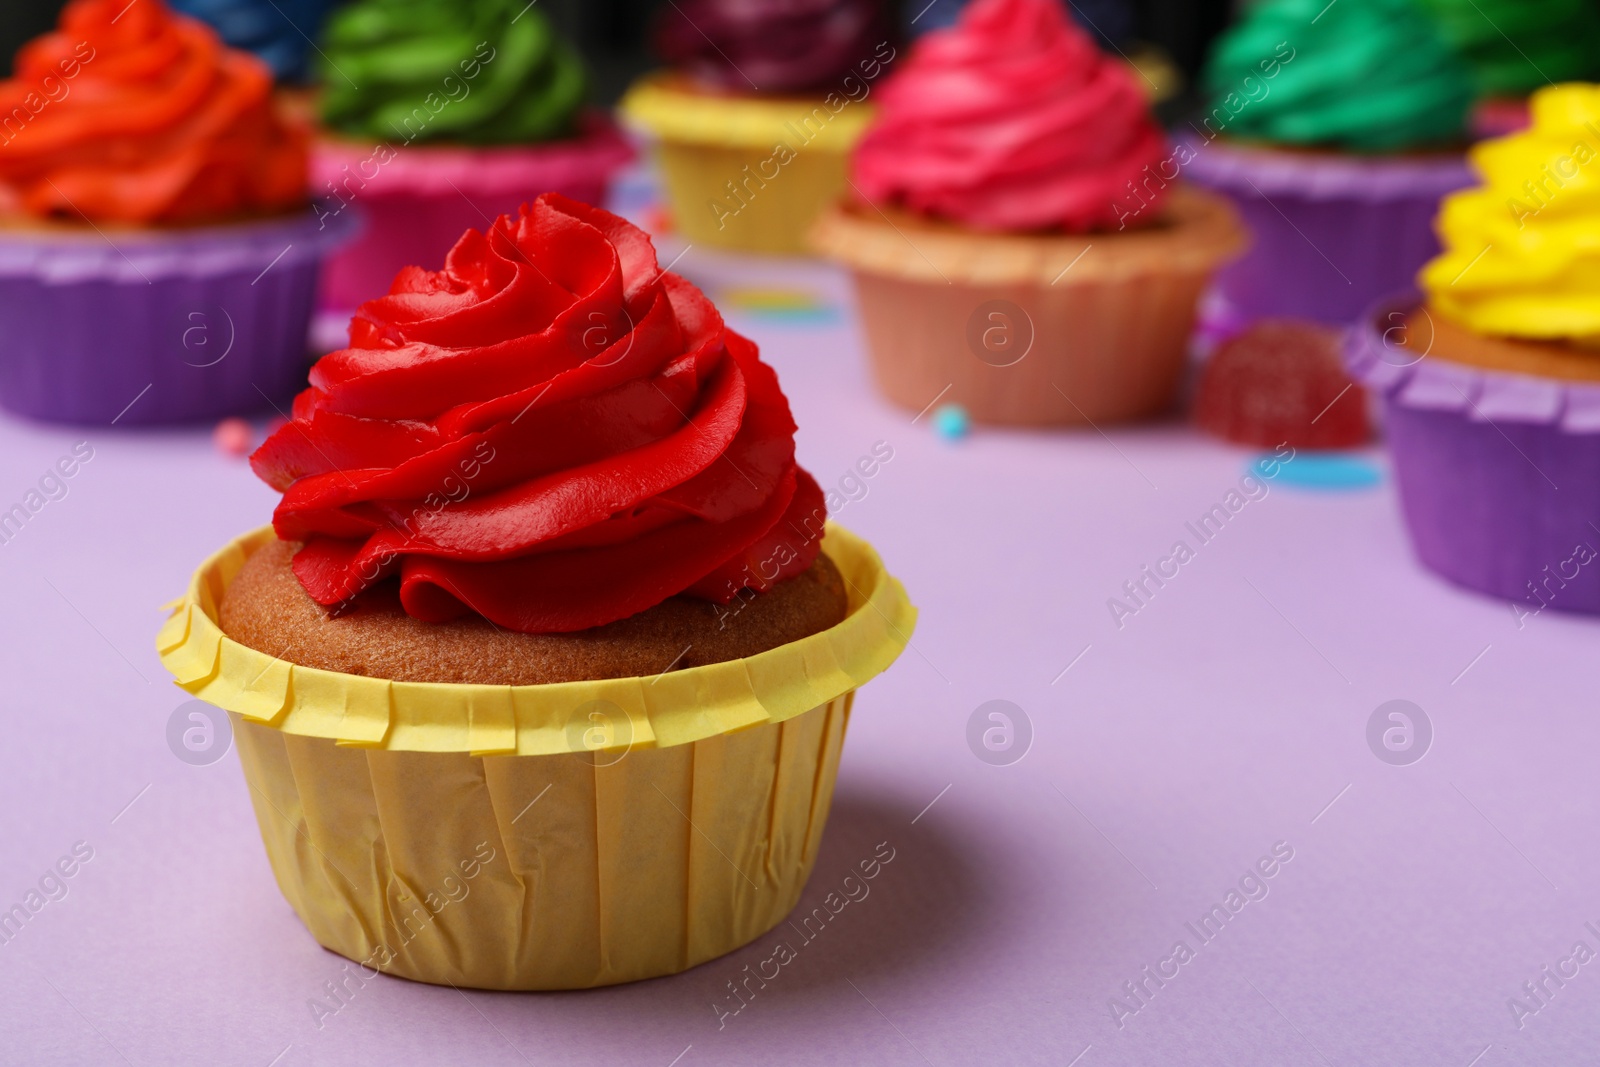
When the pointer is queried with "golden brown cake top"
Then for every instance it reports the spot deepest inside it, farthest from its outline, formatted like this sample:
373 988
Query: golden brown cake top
266 608
1433 336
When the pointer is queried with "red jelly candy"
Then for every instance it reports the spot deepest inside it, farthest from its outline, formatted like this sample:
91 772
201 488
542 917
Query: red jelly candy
1282 382
234 437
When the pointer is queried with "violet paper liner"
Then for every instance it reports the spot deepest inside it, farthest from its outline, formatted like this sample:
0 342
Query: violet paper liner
1498 473
159 326
420 199
1331 233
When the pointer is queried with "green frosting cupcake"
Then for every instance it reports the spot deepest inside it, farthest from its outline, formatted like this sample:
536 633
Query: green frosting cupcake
466 71
1556 40
1366 75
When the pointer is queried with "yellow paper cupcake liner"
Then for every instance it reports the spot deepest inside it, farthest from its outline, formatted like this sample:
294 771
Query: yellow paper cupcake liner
744 172
404 848
771 217
672 709
661 106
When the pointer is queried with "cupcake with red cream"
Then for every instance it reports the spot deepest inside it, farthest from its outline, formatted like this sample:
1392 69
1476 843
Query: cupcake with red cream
754 119
997 259
440 115
158 255
542 539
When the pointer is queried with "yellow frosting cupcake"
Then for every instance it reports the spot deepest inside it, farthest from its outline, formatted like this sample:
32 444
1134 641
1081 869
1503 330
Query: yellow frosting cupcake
1491 386
1522 250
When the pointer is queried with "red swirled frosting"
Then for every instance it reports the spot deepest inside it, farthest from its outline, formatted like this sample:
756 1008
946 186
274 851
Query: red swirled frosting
1012 119
551 432
129 113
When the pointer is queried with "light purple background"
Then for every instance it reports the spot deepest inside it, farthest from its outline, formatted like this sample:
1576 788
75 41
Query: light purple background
1175 752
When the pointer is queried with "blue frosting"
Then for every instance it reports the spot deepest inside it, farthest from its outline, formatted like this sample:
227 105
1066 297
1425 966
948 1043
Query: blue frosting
275 30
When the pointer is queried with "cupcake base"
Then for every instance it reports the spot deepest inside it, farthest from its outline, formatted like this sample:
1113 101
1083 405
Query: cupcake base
1331 232
149 327
1496 448
1031 329
745 172
769 217
556 836
550 872
420 199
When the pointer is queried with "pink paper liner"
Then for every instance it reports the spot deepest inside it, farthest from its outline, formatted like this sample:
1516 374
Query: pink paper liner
422 200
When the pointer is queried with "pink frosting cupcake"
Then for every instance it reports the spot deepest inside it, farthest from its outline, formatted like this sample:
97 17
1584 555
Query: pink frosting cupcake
997 263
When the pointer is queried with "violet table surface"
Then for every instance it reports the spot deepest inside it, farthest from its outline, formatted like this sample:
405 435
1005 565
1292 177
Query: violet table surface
1226 716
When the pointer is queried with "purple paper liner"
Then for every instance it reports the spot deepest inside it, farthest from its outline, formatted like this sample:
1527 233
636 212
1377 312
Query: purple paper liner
1499 473
151 327
1331 233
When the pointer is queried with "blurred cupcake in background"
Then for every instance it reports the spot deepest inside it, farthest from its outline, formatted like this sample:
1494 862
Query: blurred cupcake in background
1003 259
440 116
278 32
753 124
1516 46
158 258
1335 128
1491 384
1110 22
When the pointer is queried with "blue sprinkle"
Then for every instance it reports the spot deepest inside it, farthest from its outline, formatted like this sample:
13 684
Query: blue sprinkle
817 316
950 421
1321 471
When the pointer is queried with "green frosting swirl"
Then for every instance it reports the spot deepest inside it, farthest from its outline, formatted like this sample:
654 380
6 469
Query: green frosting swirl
1556 40
468 71
1367 75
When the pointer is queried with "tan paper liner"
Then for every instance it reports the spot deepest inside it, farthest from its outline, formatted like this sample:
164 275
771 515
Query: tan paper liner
585 860
1111 313
705 140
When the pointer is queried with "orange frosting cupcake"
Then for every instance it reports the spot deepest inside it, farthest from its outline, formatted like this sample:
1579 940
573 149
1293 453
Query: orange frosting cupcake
131 114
